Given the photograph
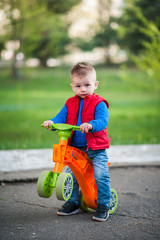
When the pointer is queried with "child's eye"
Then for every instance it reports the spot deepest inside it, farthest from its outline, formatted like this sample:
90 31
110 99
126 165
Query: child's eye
87 85
78 86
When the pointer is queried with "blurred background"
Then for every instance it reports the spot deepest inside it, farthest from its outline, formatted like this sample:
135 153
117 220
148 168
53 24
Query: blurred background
40 40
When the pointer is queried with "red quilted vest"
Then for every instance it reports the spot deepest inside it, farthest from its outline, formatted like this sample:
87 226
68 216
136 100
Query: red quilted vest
96 140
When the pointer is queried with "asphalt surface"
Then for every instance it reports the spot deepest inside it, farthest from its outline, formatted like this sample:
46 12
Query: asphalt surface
135 175
24 215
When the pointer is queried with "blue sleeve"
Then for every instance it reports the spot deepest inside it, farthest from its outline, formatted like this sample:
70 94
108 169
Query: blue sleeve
101 117
61 117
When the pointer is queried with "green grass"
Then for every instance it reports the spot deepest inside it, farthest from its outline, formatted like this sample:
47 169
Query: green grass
24 105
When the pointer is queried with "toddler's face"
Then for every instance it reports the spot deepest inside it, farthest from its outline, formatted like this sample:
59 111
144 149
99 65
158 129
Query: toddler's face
83 86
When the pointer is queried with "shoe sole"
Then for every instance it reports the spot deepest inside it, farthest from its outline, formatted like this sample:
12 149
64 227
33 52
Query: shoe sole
68 214
100 219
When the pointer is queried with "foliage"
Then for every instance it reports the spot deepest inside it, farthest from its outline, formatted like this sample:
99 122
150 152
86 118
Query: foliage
46 38
37 25
84 45
61 6
106 35
102 34
130 33
149 59
103 38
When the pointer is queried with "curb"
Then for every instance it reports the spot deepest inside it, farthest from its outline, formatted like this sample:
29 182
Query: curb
26 165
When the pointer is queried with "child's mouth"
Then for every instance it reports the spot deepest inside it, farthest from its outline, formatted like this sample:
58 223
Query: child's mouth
83 95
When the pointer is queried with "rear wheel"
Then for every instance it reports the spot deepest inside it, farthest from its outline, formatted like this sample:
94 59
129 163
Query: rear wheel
44 184
82 204
64 186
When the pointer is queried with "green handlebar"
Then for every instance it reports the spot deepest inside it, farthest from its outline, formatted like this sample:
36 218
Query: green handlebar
63 127
64 130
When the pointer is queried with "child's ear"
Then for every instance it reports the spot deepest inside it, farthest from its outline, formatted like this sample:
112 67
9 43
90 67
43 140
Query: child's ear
71 86
96 84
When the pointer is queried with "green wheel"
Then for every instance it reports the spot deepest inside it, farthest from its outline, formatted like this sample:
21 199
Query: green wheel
114 201
44 184
64 186
82 204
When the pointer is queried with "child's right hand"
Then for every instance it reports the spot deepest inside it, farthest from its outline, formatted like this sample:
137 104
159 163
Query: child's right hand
47 123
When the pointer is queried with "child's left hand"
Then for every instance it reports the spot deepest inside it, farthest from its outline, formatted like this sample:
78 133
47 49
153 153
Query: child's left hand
85 127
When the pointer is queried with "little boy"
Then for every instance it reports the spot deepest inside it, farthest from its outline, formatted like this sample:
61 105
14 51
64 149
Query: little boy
90 112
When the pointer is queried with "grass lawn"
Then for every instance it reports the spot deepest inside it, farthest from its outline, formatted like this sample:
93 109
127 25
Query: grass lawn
24 105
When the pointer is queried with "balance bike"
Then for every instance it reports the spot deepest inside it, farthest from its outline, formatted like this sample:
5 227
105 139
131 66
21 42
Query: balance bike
81 166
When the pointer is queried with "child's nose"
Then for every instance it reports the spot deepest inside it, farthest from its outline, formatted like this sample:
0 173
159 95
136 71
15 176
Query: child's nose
82 88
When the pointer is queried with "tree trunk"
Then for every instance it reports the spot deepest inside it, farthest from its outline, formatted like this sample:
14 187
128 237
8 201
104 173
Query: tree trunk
14 69
107 57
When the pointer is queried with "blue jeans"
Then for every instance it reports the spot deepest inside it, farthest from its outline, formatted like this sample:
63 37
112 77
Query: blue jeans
101 174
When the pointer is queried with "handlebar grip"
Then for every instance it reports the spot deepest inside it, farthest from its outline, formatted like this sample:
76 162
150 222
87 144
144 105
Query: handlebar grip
76 128
51 126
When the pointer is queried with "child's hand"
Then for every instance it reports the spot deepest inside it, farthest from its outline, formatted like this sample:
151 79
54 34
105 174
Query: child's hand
47 123
85 127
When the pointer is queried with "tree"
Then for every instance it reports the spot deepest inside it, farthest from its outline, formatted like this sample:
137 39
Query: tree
60 6
47 37
104 34
149 58
130 33
12 28
105 37
37 26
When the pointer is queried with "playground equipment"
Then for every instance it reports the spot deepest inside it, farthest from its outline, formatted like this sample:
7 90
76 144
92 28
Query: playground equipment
81 166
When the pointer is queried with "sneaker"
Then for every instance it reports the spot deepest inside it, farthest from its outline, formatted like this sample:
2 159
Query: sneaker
101 214
69 208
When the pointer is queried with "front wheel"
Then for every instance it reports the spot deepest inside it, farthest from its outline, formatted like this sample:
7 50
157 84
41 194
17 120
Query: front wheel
44 184
114 201
64 186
